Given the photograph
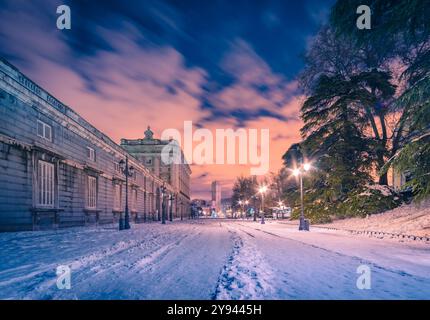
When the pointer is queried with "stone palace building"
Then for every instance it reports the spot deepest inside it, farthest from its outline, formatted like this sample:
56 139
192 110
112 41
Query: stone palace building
58 170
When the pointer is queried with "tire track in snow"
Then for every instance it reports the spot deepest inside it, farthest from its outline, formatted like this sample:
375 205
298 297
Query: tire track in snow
39 277
148 261
129 261
41 282
340 254
246 275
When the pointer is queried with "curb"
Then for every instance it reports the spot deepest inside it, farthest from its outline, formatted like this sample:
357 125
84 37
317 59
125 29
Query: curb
380 233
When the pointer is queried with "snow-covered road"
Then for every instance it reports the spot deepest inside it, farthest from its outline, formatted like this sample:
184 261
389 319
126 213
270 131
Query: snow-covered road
210 259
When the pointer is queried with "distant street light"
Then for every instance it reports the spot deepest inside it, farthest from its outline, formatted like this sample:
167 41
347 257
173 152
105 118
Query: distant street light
246 208
262 190
128 172
298 172
163 204
171 198
281 207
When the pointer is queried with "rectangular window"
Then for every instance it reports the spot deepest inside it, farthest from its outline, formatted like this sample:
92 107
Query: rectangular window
44 130
91 154
45 184
134 199
92 192
117 167
117 197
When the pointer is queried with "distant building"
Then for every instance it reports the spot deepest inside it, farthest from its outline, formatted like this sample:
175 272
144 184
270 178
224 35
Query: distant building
216 195
200 202
225 204
398 179
148 150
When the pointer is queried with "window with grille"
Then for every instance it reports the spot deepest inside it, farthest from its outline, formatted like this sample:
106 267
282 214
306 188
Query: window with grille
117 197
44 130
92 192
45 184
134 199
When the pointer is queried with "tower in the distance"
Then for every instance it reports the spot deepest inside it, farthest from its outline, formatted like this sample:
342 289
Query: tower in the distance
216 195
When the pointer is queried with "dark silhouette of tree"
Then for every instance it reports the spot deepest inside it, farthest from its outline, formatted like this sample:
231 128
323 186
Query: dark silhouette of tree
401 30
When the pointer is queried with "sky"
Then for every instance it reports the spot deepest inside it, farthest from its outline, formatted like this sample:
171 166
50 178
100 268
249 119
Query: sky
125 65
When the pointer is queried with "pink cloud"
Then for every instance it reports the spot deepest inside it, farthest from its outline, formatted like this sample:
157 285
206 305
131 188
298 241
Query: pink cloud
139 86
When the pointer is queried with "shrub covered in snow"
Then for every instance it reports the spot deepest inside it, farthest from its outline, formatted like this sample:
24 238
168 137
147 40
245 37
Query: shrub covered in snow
368 200
360 202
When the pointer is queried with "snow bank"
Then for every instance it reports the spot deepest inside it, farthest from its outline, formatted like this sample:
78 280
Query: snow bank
407 219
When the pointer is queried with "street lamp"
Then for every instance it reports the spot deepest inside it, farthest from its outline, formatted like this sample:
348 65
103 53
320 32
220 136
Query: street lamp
241 207
298 172
262 190
171 198
163 204
128 171
254 208
246 208
281 207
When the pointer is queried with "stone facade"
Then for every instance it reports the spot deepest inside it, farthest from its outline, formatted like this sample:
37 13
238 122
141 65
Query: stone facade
148 151
57 170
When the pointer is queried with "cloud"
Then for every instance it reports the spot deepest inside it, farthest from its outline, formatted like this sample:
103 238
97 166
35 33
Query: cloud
129 83
283 133
256 87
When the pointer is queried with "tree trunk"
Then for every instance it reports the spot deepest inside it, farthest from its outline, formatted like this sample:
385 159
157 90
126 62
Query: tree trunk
383 179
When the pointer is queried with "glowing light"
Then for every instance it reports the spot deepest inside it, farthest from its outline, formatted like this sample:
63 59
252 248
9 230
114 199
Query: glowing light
307 166
262 189
246 202
296 172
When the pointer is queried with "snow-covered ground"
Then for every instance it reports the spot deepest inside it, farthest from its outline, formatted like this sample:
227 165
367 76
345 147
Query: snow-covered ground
210 259
408 219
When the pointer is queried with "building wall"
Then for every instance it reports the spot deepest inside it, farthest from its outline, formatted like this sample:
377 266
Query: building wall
22 104
148 150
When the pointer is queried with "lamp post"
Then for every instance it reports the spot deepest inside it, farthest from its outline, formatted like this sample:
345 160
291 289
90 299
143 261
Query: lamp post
262 191
171 198
298 172
246 208
254 207
180 209
241 207
128 171
282 208
163 204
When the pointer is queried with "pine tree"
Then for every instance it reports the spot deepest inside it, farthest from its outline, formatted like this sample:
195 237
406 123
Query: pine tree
359 79
333 133
401 29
